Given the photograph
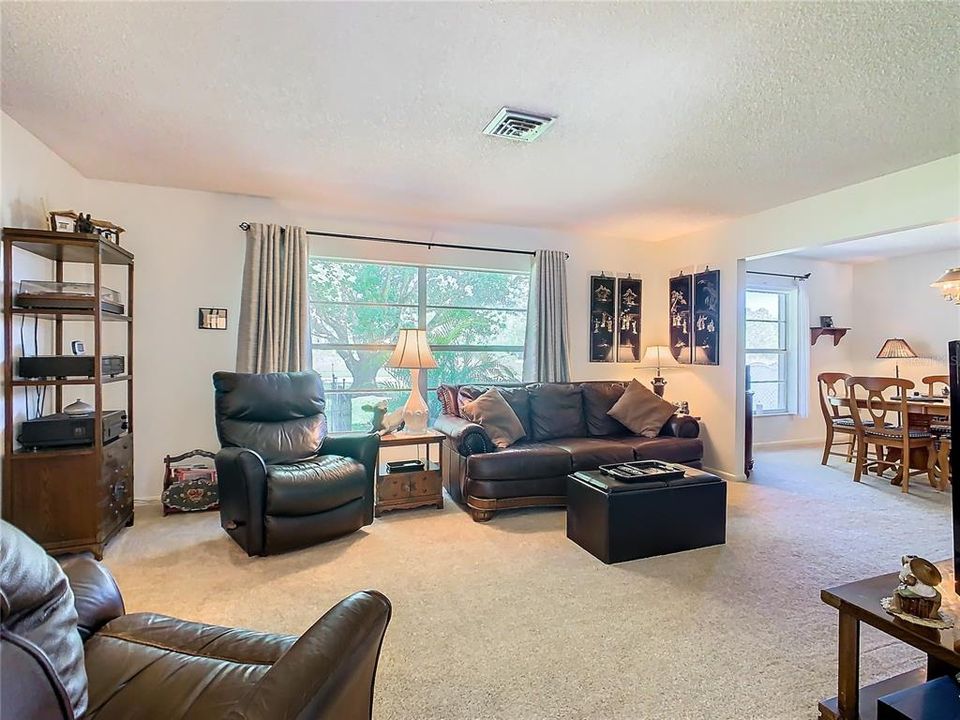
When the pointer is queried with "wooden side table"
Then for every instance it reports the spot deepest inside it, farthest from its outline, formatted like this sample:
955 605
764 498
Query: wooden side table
859 602
419 488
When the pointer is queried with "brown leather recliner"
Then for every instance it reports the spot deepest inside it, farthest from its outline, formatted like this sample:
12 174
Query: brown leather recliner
154 667
567 429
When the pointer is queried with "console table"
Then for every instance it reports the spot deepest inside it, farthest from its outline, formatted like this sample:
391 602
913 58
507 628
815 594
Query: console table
859 602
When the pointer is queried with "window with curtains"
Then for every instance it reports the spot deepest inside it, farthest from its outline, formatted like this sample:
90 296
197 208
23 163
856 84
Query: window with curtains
771 349
475 320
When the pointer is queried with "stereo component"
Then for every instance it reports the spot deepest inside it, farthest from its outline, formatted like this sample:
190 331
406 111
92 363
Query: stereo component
62 430
64 366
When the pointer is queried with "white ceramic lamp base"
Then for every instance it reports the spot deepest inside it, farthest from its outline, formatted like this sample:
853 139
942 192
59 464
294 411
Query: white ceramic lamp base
415 413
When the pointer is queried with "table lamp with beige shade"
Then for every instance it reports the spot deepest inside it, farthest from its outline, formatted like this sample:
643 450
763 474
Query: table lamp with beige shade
413 352
659 357
896 349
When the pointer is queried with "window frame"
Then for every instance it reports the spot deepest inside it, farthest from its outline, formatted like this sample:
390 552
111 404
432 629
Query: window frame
423 309
786 354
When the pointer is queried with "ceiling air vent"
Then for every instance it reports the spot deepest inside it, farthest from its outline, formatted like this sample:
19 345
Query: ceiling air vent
518 125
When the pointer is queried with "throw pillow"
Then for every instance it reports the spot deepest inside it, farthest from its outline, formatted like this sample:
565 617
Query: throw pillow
491 412
641 410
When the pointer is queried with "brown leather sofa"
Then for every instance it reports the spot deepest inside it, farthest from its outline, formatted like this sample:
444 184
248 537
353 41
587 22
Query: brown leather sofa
69 652
567 429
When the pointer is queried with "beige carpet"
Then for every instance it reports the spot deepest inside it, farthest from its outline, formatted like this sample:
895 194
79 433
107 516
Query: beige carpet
511 620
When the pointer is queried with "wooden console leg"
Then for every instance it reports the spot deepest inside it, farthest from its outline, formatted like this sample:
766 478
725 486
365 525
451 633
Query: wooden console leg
848 676
481 515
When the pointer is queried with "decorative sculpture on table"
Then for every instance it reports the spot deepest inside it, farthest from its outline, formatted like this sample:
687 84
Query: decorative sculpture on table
383 422
917 599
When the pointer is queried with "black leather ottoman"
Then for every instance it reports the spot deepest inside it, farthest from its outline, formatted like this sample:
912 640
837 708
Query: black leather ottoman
616 521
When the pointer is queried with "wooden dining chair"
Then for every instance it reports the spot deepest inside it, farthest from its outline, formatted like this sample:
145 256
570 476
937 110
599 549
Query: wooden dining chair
874 429
932 381
834 385
943 460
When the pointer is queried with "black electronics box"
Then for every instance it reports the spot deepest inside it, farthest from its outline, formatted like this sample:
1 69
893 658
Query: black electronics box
63 366
62 430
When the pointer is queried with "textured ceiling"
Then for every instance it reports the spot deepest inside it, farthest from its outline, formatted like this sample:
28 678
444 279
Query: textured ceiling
671 115
931 238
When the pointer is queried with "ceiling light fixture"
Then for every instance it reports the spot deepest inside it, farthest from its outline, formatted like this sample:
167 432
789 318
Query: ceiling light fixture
949 285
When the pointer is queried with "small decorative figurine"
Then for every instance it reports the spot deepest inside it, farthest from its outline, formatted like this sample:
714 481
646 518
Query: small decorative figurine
85 224
383 422
917 592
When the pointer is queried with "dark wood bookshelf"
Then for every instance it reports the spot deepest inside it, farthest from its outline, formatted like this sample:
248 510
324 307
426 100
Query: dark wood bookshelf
76 498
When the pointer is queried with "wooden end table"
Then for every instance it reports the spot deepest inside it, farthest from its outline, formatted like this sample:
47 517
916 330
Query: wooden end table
419 488
859 602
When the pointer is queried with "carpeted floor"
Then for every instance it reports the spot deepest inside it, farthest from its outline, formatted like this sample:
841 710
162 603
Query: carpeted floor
510 620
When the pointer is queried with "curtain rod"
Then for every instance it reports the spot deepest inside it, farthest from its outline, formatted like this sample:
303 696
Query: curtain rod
795 277
422 243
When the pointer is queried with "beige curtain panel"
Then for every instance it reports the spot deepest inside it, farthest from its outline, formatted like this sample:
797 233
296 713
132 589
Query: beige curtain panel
546 350
274 334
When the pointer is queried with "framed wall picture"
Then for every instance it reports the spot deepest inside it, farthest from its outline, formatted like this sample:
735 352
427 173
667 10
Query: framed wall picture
681 325
212 319
706 317
603 302
628 319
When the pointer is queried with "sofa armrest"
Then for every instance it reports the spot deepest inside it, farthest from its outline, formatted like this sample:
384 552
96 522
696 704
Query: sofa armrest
467 437
330 671
681 426
364 448
95 593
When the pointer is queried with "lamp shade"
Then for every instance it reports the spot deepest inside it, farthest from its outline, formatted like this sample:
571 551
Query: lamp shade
412 351
658 356
896 348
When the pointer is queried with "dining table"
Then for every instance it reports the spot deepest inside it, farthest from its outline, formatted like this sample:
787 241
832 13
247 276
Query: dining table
922 411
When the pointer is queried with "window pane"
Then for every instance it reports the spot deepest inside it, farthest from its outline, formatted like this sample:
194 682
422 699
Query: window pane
359 324
449 326
358 370
764 367
764 335
480 367
762 305
767 397
447 287
350 282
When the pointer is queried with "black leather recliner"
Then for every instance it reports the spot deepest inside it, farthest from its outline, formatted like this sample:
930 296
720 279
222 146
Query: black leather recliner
284 484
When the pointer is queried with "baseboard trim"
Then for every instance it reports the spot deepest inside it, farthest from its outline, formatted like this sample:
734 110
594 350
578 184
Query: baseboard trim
729 477
798 442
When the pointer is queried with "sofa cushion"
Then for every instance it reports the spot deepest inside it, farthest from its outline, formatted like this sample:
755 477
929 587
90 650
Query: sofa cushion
556 411
494 415
516 397
590 453
642 411
523 460
598 399
191 670
312 486
669 449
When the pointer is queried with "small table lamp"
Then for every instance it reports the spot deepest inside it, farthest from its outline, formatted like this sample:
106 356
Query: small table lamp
659 357
413 352
898 349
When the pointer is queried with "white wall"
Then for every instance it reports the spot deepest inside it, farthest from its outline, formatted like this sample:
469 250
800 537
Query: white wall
829 293
33 180
894 299
923 195
189 253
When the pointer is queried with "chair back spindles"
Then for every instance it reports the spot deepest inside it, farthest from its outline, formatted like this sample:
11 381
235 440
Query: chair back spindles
831 385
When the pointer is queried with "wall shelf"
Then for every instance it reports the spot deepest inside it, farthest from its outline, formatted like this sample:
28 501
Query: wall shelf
835 332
